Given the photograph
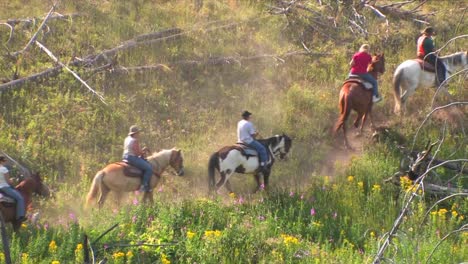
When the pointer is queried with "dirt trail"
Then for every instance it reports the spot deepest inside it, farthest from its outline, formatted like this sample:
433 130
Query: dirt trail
338 158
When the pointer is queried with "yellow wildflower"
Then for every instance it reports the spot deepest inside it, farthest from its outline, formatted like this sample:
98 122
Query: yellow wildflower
360 185
350 178
55 262
289 240
454 214
52 246
372 234
164 259
190 234
118 255
211 234
24 258
129 254
376 188
232 195
442 212
317 224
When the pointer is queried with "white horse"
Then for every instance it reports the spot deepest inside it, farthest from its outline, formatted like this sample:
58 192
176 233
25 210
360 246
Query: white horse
238 159
409 76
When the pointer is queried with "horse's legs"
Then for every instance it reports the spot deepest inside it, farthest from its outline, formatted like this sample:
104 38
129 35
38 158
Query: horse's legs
358 119
257 180
224 179
102 197
228 186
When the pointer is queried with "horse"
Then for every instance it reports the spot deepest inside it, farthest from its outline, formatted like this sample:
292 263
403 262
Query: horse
114 177
241 159
410 76
27 187
354 96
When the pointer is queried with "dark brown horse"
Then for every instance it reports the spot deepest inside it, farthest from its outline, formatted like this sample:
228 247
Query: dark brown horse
353 96
27 188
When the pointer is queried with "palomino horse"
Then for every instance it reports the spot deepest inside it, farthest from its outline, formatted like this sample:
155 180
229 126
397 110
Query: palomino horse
113 178
353 96
27 187
235 158
410 76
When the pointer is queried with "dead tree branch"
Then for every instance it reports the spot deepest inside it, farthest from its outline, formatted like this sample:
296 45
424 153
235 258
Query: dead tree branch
11 31
34 37
42 47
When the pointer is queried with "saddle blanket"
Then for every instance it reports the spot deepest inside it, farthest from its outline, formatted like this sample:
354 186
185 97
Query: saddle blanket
247 150
356 78
6 199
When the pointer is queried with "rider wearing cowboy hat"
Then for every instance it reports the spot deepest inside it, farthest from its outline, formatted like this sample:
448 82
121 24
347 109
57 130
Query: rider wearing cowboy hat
425 51
246 134
133 154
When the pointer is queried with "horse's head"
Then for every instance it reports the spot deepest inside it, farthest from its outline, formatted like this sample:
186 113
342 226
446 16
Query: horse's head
41 188
378 64
281 145
35 185
177 161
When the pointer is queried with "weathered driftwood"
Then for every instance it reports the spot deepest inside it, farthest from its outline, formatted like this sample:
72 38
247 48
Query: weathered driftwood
442 190
90 61
31 21
34 37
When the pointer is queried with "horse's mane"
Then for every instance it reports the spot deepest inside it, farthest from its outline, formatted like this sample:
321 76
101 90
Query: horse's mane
455 57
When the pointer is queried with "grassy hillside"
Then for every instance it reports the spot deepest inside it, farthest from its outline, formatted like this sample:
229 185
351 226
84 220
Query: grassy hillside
217 59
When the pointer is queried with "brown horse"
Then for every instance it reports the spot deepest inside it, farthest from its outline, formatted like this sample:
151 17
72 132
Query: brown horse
113 178
26 187
353 96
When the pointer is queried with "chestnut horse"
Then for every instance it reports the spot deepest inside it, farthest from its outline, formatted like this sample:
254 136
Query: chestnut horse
353 96
26 187
112 177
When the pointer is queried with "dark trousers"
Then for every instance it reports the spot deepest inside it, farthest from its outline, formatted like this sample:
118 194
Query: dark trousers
439 65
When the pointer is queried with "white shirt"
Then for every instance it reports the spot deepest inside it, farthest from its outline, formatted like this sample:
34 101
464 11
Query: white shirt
245 130
128 146
3 182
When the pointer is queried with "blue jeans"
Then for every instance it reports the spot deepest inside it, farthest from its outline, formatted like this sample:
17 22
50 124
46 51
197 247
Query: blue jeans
262 153
13 193
368 77
143 165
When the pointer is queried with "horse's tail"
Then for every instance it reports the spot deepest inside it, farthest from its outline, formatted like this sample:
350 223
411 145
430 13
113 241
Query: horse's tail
213 164
343 104
396 89
95 187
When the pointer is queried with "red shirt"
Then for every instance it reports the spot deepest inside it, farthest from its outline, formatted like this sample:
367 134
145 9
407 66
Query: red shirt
361 61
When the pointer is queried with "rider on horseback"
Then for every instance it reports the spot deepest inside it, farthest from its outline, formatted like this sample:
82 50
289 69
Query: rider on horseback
246 134
5 187
359 65
134 156
425 51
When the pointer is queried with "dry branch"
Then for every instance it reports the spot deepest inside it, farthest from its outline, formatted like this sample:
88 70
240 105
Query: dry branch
396 10
30 21
34 37
42 47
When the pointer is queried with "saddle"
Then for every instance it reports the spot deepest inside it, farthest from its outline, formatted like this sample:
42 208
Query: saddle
425 66
246 150
356 79
7 200
129 170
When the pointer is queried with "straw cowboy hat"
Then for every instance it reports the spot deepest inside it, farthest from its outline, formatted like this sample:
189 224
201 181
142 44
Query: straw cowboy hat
133 130
428 30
